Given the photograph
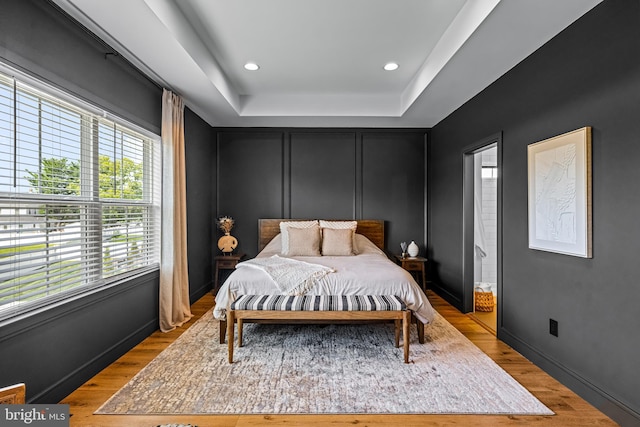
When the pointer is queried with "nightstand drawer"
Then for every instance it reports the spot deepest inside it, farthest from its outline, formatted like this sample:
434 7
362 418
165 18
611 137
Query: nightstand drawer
227 263
412 265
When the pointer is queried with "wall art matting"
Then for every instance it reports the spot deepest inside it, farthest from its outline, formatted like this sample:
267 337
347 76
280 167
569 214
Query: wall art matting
560 194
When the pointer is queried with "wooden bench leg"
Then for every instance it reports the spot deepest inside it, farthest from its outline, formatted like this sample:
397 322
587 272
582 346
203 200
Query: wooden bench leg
223 330
406 322
240 325
419 327
230 316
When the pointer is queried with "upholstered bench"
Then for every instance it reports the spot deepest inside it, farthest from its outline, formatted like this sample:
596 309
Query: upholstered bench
319 307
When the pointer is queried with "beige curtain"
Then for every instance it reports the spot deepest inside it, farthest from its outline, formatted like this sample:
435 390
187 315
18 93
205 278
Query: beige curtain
174 278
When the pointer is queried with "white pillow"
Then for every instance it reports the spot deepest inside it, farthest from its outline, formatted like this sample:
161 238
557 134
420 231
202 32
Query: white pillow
339 225
285 225
342 225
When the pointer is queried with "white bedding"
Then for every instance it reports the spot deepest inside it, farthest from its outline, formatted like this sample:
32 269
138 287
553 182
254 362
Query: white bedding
368 273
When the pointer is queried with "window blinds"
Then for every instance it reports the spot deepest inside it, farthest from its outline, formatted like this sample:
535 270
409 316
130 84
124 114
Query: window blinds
79 199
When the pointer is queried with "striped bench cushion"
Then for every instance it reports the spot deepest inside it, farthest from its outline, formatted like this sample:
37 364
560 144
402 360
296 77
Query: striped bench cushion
319 303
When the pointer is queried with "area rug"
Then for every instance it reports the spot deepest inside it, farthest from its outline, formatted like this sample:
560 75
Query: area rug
322 369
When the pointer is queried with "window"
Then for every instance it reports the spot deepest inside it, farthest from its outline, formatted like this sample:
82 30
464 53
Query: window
79 197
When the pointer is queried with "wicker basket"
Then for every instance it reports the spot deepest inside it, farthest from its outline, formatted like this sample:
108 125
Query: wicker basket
484 300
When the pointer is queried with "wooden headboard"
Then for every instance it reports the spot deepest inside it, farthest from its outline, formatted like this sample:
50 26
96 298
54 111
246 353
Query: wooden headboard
372 229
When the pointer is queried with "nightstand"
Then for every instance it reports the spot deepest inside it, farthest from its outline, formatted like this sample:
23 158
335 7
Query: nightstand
226 262
415 264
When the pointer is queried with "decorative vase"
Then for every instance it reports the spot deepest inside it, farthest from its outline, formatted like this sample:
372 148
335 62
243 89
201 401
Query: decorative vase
227 243
413 249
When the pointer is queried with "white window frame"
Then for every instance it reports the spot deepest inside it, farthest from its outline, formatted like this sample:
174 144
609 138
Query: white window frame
91 206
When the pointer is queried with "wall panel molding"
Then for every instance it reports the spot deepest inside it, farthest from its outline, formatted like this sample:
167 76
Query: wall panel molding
330 173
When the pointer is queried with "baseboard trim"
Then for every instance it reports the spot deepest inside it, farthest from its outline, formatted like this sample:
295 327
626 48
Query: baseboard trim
196 294
613 408
452 299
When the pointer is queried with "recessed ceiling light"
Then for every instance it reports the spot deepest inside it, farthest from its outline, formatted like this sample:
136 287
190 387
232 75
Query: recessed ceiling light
391 66
251 66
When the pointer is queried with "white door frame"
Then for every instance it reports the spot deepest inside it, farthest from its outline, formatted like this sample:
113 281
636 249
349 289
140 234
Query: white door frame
467 223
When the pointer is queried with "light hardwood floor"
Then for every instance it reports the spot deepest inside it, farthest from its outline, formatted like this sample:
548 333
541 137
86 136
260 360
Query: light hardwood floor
488 319
569 408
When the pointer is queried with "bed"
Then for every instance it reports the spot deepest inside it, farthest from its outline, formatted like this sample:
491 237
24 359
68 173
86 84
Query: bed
368 272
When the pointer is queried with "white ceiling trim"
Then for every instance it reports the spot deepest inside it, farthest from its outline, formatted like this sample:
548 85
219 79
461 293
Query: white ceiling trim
470 17
174 20
328 105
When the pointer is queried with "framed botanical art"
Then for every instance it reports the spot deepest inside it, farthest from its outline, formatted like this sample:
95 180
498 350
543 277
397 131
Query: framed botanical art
560 194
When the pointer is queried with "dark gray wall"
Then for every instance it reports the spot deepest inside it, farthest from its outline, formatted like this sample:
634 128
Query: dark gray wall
199 158
393 185
55 351
589 75
249 182
322 168
323 174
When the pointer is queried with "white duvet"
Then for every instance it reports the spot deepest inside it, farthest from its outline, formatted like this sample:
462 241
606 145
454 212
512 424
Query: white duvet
368 273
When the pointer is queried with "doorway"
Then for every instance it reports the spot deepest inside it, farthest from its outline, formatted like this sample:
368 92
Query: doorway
482 197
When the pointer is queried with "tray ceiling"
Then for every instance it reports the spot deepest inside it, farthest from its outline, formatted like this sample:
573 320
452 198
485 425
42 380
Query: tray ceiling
321 61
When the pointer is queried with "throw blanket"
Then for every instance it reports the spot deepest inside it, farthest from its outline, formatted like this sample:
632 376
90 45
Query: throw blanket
291 276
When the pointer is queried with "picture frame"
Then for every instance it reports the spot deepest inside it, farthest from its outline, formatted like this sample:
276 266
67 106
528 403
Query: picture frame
559 194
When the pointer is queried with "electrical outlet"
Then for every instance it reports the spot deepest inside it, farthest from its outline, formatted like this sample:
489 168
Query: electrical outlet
553 327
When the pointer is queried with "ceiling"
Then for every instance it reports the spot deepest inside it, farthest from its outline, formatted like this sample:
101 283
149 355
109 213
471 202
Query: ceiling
321 61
